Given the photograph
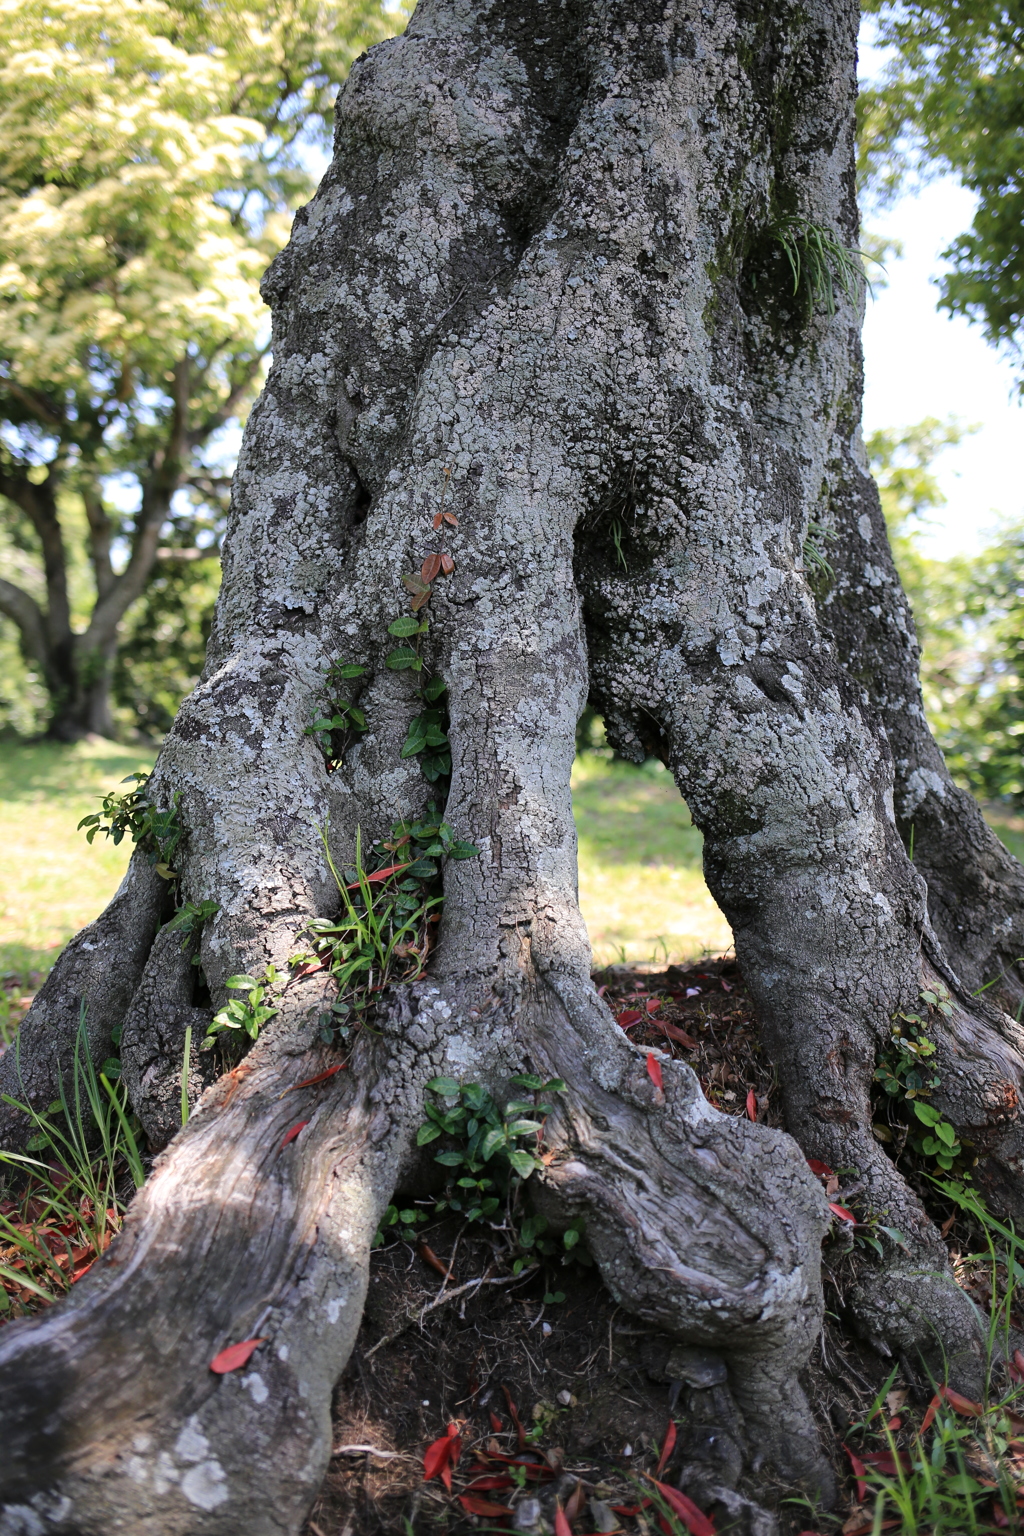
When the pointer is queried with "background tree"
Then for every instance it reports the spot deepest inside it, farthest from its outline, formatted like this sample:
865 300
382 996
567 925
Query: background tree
150 157
953 98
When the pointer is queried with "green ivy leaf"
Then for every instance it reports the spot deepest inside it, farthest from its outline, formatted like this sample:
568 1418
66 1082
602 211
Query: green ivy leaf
406 625
402 659
445 1086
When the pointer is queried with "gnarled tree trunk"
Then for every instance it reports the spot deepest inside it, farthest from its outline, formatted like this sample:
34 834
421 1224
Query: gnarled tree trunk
545 265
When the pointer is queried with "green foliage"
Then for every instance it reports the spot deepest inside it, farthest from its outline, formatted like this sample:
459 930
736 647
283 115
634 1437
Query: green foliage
820 264
952 1468
907 1077
70 1197
151 157
969 613
248 1013
155 831
190 917
340 722
953 99
496 1149
390 909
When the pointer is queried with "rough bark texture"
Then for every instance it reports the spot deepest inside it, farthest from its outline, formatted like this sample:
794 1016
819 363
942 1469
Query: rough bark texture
542 259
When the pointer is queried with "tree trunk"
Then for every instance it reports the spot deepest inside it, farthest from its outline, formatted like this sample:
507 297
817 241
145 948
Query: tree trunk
544 268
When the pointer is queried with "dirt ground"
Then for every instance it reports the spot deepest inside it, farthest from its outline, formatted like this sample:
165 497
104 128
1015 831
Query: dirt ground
571 1401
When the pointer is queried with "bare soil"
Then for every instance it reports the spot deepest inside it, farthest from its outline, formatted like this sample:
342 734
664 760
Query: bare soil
571 1401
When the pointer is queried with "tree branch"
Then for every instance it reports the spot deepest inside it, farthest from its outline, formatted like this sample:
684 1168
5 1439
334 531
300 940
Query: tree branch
28 616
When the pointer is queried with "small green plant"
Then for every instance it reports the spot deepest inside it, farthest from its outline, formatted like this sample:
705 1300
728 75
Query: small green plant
156 832
820 264
404 1221
248 1013
815 560
496 1150
71 1198
190 918
385 930
907 1078
335 727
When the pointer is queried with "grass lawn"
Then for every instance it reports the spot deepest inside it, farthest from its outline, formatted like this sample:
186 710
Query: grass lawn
641 887
51 882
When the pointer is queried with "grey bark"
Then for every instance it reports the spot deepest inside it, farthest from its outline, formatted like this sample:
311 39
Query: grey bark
542 261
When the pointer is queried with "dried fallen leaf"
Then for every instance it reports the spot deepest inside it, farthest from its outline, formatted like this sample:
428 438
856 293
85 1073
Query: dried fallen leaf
321 1077
234 1356
695 1520
291 1135
628 1017
654 1071
514 1412
821 1169
751 1104
496 1423
859 1472
477 1506
428 1256
667 1447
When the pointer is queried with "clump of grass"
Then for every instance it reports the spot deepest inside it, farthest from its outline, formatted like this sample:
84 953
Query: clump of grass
819 262
66 1195
957 1466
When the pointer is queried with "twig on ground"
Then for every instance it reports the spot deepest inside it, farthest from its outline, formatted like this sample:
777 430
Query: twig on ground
439 1301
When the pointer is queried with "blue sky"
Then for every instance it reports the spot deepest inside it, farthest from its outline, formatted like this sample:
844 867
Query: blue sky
919 362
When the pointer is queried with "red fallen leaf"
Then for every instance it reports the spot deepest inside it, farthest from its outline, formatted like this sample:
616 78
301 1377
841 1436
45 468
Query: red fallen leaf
654 1070
673 1032
496 1423
442 1456
961 1404
536 1469
629 1509
488 1484
726 985
859 1471
821 1169
1018 1360
381 874
653 1004
926 1422
628 1017
999 1516
309 969
322 1077
884 1461
695 1520
667 1448
437 521
83 1271
562 1526
428 1256
447 563
234 1356
430 566
575 1502
291 1135
751 1104
514 1412
475 1506
842 1212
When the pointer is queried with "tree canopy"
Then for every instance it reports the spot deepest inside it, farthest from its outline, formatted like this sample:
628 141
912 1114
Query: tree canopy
953 98
151 156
